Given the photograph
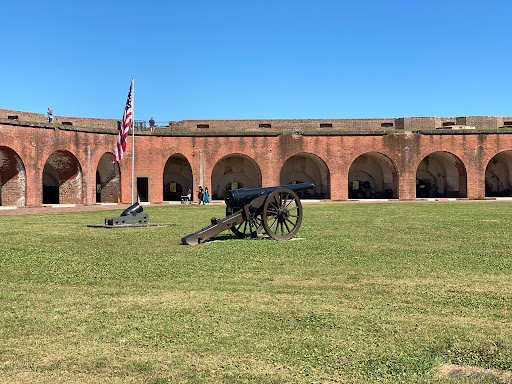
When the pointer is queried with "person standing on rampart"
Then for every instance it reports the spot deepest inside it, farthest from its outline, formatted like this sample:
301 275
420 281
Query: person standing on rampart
151 124
50 115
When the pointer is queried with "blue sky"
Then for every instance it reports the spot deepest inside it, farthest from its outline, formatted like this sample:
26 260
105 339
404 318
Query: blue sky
257 59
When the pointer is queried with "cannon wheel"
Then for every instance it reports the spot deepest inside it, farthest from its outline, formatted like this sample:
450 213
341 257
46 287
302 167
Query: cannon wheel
248 228
282 214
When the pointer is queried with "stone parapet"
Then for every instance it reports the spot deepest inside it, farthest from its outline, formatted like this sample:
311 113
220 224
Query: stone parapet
273 125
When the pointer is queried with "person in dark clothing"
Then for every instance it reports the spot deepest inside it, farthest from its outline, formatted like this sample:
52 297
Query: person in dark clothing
152 124
200 195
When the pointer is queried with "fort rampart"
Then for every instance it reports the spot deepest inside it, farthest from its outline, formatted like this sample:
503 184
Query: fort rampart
70 160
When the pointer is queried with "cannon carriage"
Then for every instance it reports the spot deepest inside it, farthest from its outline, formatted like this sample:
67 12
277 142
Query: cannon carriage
276 210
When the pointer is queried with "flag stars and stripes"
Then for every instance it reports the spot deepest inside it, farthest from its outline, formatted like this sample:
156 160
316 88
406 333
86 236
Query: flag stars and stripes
125 127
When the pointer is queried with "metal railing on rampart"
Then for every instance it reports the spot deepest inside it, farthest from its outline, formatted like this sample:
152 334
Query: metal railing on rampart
142 125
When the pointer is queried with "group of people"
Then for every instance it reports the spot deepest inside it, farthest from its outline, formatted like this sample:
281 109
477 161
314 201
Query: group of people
203 196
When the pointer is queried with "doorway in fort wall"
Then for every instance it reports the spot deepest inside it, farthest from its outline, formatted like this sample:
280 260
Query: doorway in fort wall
233 172
373 176
62 179
307 168
441 174
177 178
108 180
498 175
12 178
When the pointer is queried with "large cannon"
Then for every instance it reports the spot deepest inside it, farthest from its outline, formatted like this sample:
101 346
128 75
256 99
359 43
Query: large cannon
277 210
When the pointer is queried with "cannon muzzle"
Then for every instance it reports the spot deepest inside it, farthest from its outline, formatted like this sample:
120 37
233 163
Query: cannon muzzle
242 196
132 210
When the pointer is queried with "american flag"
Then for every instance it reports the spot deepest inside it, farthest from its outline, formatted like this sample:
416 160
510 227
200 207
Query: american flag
125 127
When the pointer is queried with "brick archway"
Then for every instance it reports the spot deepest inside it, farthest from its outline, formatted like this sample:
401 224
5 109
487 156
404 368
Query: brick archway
62 179
498 175
372 175
307 168
177 178
13 178
441 174
234 171
108 179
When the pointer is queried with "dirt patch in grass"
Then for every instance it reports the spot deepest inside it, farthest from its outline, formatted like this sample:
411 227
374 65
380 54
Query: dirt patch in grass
474 373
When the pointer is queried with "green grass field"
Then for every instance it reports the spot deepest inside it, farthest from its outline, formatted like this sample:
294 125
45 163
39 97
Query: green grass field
372 293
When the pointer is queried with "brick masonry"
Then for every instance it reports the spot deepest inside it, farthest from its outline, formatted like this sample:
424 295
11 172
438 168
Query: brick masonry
28 142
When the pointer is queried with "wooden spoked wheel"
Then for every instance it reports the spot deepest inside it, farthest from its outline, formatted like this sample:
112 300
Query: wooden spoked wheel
248 228
282 214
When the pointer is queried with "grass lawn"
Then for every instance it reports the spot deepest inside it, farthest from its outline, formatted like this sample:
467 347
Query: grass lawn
381 293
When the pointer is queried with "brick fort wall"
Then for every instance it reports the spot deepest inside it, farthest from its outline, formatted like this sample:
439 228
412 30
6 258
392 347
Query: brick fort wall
327 147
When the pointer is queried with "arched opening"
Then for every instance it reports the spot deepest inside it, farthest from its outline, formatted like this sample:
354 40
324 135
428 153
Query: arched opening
441 174
233 172
62 179
12 178
108 180
307 168
372 176
177 178
498 176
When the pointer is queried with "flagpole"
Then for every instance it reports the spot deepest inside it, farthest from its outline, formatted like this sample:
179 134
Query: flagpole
133 133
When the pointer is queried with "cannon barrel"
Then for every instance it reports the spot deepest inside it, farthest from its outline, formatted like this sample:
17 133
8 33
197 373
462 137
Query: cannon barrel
242 196
132 210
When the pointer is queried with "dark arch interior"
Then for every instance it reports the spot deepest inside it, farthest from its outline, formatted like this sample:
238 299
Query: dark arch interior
108 180
307 168
498 180
62 179
12 178
441 175
177 178
233 172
